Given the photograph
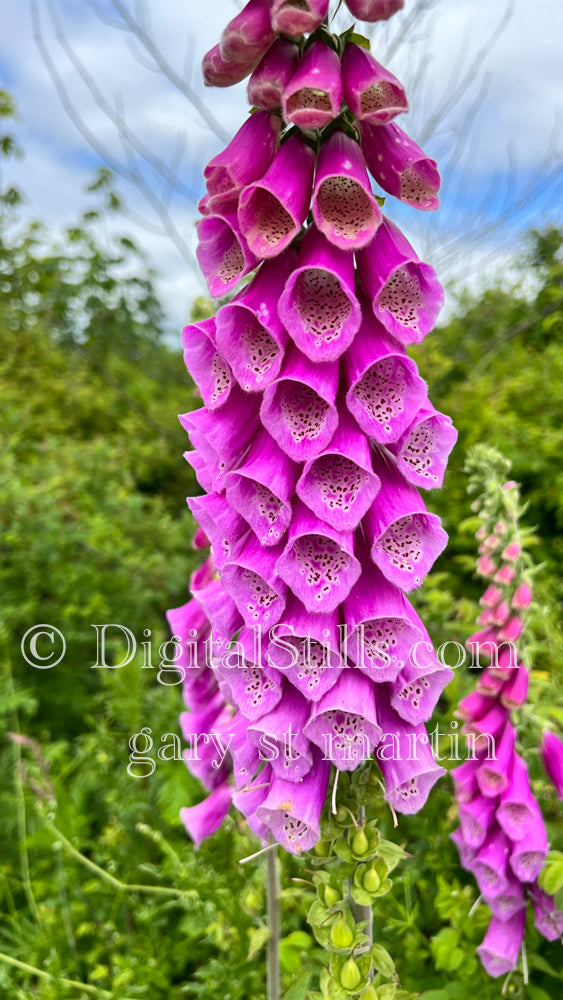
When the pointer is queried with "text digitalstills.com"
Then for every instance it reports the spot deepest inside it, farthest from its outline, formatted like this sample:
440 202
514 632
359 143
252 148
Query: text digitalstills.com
44 647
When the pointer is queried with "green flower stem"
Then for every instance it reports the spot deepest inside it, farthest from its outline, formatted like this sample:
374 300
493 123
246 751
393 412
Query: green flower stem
70 983
117 884
274 923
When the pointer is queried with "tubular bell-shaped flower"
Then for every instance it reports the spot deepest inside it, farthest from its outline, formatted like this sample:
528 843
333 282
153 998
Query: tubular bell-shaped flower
400 166
374 10
262 487
204 819
220 72
318 563
415 692
313 96
272 74
501 944
205 363
223 526
405 760
339 485
272 210
551 751
292 810
319 307
371 92
245 159
223 253
405 293
344 208
305 649
384 389
344 722
280 736
298 17
423 450
405 538
251 579
382 628
249 332
249 34
299 407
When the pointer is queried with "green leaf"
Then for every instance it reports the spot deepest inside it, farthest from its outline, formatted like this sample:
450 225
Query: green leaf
550 878
257 939
382 960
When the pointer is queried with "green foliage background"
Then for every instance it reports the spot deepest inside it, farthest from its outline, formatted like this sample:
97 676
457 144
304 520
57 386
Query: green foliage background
94 529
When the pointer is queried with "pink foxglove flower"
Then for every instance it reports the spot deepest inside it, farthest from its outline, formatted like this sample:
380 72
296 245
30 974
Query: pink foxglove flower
245 159
315 433
273 209
552 758
221 72
313 96
423 450
400 166
501 945
405 293
344 208
249 332
502 838
272 74
249 34
371 92
223 253
374 10
318 306
298 17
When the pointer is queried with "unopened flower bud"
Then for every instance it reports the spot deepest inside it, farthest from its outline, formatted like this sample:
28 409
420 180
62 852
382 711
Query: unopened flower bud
331 896
360 843
371 880
341 935
350 977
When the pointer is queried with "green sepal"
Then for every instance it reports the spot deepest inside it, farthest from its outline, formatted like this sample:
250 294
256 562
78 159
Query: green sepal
382 960
320 925
387 991
360 896
550 878
343 850
380 199
353 36
335 991
392 854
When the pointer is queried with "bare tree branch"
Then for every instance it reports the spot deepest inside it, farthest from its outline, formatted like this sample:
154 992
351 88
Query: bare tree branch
148 43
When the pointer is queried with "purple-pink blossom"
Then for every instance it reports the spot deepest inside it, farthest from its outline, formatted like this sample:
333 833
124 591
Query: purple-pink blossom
315 436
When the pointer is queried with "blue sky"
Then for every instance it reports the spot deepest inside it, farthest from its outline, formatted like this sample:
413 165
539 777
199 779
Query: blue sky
515 126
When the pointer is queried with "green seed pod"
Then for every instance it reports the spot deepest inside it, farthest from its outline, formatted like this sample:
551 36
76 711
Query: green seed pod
322 849
350 975
370 993
331 895
371 880
341 935
342 816
360 844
